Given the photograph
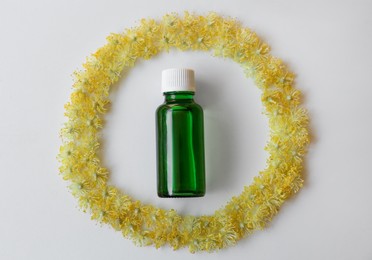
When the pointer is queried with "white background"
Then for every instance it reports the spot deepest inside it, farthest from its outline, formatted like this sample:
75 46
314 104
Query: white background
326 43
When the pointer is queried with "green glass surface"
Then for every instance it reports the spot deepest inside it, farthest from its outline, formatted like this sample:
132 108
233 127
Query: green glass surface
180 146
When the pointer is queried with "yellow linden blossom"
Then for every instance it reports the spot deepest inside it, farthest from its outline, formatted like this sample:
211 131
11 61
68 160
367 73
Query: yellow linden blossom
148 225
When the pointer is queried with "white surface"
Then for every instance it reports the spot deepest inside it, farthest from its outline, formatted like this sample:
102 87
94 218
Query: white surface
327 43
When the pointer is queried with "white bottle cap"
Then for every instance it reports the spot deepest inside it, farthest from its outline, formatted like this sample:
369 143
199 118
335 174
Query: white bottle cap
178 80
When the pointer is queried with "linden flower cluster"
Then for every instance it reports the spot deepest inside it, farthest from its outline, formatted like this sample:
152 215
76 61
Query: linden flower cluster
146 224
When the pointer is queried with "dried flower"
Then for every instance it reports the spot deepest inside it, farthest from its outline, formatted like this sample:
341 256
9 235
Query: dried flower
146 224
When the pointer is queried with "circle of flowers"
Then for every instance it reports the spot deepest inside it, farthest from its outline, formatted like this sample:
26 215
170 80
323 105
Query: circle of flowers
146 224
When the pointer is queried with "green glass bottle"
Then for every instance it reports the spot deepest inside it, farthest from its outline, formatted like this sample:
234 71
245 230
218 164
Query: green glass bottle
180 138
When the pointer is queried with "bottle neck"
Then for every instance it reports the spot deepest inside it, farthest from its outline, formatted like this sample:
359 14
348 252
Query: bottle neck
179 96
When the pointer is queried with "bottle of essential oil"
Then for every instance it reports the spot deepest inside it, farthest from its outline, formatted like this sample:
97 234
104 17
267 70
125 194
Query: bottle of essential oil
180 137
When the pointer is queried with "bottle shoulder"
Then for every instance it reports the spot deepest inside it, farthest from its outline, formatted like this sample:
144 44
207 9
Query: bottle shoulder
179 106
